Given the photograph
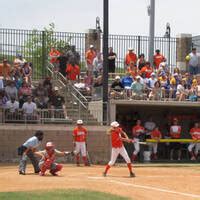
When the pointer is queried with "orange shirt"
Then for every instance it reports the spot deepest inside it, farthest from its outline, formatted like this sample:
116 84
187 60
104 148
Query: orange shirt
80 134
116 138
137 130
90 55
195 133
5 70
133 73
147 71
157 59
155 134
130 57
53 55
175 132
72 71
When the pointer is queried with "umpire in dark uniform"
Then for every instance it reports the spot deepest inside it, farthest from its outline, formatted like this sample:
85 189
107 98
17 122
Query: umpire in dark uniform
27 151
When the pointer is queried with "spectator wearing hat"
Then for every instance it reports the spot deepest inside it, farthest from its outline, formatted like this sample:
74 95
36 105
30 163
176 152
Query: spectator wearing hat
151 81
5 69
80 134
57 103
11 90
130 56
116 88
157 59
175 133
111 60
89 56
137 89
192 62
141 61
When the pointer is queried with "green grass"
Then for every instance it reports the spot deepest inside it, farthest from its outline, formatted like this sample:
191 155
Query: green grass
60 195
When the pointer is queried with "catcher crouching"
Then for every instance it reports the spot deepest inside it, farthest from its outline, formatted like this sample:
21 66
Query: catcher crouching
48 156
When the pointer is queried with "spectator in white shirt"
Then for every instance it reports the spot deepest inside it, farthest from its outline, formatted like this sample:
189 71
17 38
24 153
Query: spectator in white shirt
181 92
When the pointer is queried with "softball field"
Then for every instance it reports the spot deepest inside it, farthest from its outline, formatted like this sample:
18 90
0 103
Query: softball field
151 182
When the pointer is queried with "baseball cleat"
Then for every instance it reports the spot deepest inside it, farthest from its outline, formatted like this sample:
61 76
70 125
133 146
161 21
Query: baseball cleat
41 173
22 173
132 174
104 174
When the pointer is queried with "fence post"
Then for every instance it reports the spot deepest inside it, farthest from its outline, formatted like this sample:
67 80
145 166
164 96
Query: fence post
43 52
139 38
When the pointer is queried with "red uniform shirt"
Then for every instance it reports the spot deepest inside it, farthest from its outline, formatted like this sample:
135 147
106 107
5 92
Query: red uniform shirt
195 133
80 134
53 54
116 138
147 71
175 132
155 134
157 59
137 130
130 57
72 71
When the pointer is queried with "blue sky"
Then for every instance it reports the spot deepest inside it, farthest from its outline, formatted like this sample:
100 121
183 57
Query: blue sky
126 16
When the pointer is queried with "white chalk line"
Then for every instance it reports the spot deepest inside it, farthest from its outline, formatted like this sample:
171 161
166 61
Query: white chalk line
147 187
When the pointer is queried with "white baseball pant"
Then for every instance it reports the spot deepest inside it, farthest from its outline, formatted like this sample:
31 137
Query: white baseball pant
115 152
136 146
80 148
154 147
196 147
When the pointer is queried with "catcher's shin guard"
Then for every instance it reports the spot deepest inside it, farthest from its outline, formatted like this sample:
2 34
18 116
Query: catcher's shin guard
57 169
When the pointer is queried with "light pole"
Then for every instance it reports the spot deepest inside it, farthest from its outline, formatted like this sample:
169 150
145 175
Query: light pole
105 60
168 35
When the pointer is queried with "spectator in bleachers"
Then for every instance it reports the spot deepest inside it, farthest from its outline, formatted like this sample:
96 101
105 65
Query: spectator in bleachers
127 81
116 88
81 86
151 81
12 107
175 133
156 92
137 89
72 71
195 134
188 81
157 59
132 69
16 71
98 81
41 102
24 92
57 102
141 61
192 94
19 60
29 109
3 99
54 54
181 93
11 90
27 72
147 70
198 89
176 70
165 86
111 60
130 56
5 69
72 54
98 64
192 60
89 56
63 60
88 79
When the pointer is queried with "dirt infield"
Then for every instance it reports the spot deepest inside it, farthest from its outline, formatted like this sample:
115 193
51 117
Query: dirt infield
151 183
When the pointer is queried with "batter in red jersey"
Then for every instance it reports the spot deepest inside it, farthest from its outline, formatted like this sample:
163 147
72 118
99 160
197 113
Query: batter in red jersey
79 139
117 137
195 134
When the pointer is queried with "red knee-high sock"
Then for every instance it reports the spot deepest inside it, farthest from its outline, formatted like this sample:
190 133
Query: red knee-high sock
129 167
107 168
191 154
85 160
77 159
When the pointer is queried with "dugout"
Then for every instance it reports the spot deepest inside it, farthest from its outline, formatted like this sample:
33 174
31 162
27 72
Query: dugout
162 113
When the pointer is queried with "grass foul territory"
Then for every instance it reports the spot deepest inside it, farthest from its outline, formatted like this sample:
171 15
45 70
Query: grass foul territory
61 195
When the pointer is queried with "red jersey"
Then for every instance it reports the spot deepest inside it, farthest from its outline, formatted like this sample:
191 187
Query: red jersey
130 57
155 134
90 55
80 134
54 54
72 71
137 130
175 131
116 138
157 59
195 133
147 71
133 72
